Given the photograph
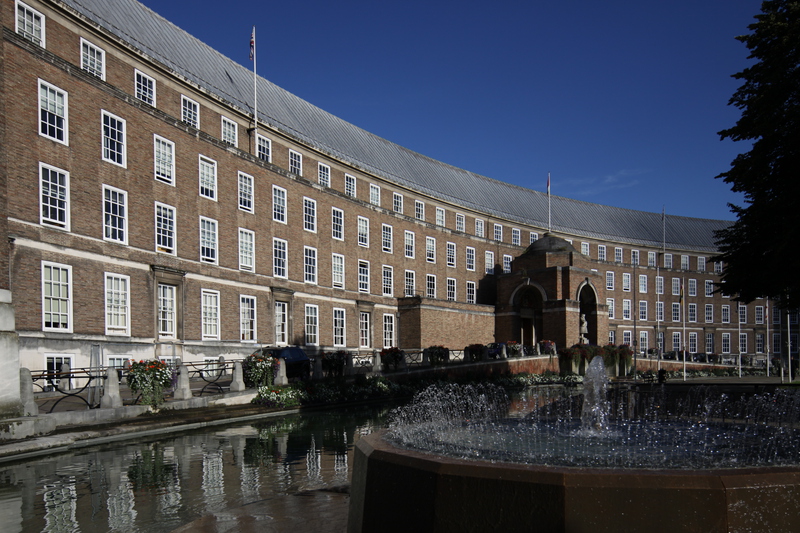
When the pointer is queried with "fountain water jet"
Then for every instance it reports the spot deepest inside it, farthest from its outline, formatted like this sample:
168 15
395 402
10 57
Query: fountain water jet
457 463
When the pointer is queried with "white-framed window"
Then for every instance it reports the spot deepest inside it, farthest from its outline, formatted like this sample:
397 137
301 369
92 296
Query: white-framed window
167 310
701 264
410 286
488 262
165 228
409 244
309 215
612 337
460 222
610 303
651 259
659 284
190 112
759 343
660 311
397 202
470 292
609 281
743 343
644 341
684 262
643 310
626 338
117 309
364 329
309 264
113 135
264 148
324 174
626 309
337 271
585 248
709 343
245 192
363 276
350 185
726 343
692 287
601 252
718 267
709 287
667 260
56 297
208 240
469 259
742 313
363 232
634 257
478 227
676 341
430 286
53 113
430 249
30 24
507 264
626 281
709 314
498 232
726 314
144 87
692 342
279 252
759 314
388 331
207 172
386 238
440 216
311 325
618 255
374 194
115 215
54 197
247 318
387 278
451 289
295 163
337 224
247 250
676 312
676 286
93 59
516 238
281 323
450 254
339 326
279 204
643 283
164 160
692 313
419 210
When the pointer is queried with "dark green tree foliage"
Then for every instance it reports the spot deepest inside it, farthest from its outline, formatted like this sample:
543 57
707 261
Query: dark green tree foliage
761 249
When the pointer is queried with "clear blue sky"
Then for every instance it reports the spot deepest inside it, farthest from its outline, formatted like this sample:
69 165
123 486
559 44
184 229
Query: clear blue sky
620 101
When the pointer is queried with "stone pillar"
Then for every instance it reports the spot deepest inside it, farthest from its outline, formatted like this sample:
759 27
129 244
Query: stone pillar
503 352
317 375
10 402
377 364
237 383
111 398
281 379
426 357
349 369
29 407
182 391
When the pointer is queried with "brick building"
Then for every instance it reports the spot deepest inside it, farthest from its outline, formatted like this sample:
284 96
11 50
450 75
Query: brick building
146 215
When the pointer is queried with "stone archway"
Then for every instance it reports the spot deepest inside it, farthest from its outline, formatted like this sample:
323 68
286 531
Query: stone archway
528 304
587 297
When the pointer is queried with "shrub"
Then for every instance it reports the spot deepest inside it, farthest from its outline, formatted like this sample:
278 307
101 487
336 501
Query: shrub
438 355
150 379
391 357
333 363
259 370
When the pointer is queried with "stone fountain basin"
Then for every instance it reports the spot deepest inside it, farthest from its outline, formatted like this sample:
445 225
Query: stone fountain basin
401 490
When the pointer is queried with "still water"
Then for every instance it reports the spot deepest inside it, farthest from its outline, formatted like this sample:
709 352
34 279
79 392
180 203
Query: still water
159 484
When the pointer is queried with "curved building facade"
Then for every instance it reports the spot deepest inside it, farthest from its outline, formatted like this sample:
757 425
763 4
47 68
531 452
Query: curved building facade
147 215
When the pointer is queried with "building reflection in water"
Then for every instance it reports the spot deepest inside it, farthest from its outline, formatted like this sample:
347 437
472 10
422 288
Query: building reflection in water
158 485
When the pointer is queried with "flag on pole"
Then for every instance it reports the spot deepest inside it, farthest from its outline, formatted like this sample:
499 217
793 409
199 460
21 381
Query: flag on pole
548 183
253 44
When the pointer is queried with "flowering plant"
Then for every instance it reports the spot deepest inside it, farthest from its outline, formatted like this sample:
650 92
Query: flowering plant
438 355
392 356
259 369
150 379
513 348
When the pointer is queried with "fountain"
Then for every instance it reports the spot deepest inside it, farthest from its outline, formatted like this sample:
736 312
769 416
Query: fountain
453 460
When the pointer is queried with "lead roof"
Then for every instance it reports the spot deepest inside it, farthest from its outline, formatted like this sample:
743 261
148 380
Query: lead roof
165 43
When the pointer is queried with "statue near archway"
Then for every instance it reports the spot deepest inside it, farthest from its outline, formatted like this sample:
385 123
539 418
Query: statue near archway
584 339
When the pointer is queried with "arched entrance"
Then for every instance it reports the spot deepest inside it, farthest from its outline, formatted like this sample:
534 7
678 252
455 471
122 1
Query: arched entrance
588 305
528 304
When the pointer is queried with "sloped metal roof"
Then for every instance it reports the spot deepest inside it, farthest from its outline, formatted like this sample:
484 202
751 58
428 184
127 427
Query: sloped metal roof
165 43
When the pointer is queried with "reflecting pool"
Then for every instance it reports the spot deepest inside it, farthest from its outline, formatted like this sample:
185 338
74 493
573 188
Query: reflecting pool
162 483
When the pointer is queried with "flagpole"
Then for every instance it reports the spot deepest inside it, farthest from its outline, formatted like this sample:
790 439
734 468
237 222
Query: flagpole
683 312
255 91
549 227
